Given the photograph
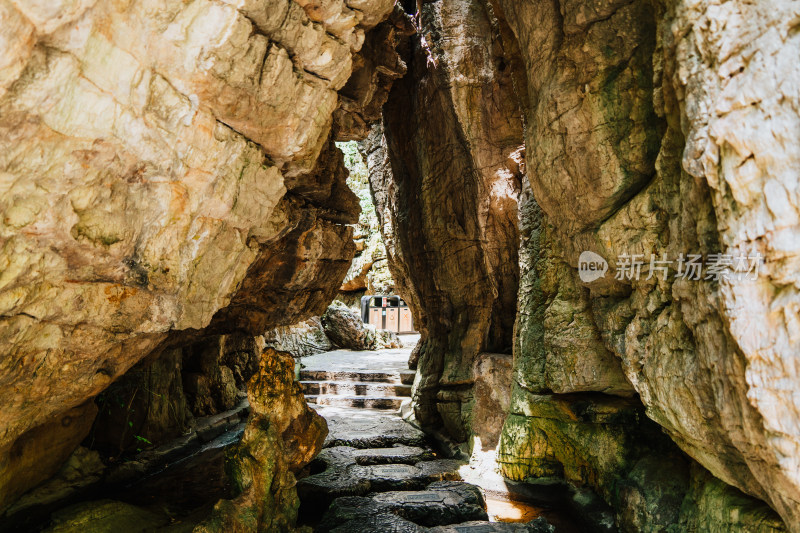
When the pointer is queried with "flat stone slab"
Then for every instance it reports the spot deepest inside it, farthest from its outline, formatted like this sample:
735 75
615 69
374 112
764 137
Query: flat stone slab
389 522
441 503
420 497
351 388
343 479
398 454
380 523
389 361
394 471
539 525
361 402
361 376
367 428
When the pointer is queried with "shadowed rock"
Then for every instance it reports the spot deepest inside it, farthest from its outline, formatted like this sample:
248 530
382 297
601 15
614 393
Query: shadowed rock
441 503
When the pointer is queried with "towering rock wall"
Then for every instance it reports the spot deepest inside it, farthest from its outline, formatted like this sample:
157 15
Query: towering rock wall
447 200
651 128
656 103
166 167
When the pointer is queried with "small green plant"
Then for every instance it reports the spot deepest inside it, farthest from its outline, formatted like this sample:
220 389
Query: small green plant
142 439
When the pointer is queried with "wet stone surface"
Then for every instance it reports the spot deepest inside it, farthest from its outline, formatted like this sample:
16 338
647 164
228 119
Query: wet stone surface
441 503
348 471
539 525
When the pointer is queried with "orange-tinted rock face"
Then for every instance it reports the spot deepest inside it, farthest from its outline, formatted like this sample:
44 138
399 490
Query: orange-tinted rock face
39 453
165 167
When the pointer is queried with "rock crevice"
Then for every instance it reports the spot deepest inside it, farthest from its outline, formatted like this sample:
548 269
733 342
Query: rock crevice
645 127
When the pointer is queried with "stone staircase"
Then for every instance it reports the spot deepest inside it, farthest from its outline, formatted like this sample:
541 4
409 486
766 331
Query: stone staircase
357 388
378 473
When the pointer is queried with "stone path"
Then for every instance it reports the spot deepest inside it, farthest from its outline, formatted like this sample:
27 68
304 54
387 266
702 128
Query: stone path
378 473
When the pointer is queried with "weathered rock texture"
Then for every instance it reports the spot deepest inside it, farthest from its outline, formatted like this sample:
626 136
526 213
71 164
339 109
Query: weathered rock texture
168 171
369 271
339 327
492 391
167 166
40 452
158 398
282 436
445 178
301 339
642 146
651 127
345 329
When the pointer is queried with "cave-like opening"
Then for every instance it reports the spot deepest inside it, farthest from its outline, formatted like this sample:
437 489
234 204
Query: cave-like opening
378 265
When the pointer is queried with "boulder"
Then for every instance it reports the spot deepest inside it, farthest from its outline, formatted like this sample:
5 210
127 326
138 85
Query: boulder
345 329
282 436
301 339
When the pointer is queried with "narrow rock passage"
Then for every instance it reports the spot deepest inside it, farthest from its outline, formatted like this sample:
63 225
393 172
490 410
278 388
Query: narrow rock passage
378 472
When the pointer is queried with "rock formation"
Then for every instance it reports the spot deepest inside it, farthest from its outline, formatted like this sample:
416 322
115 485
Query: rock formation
283 436
169 176
167 173
448 205
345 329
369 271
301 339
650 128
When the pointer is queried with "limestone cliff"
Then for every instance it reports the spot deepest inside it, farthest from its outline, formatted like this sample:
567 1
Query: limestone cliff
644 120
166 167
653 128
369 271
446 197
169 174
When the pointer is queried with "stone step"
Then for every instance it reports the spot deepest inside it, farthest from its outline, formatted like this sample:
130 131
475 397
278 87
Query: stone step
441 503
350 375
351 388
398 454
357 480
397 524
368 428
407 376
363 402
